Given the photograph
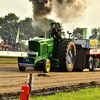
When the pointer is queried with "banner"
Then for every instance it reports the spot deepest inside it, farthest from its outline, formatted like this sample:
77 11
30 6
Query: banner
13 53
84 33
93 43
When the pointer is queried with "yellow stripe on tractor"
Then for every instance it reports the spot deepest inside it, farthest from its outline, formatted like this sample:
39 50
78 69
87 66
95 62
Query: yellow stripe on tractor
43 43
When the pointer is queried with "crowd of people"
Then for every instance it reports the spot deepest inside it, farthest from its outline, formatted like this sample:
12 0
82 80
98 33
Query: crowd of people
12 47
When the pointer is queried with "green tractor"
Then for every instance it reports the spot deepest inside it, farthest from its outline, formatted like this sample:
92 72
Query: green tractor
50 53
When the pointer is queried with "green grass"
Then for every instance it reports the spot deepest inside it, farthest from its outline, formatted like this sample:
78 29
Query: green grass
8 56
83 94
8 62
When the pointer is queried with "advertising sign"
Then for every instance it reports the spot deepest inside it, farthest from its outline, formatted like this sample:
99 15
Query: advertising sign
84 33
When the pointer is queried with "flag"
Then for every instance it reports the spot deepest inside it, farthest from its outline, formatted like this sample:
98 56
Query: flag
17 37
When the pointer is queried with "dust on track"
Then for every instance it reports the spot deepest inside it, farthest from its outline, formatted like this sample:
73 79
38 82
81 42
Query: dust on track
11 79
8 59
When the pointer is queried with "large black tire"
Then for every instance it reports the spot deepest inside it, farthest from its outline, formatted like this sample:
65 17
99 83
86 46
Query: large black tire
46 65
87 61
80 58
91 64
38 68
66 53
21 68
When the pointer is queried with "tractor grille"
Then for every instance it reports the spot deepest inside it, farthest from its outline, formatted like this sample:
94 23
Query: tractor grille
34 46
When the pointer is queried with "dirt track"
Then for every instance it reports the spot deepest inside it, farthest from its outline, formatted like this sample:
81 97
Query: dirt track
8 59
11 79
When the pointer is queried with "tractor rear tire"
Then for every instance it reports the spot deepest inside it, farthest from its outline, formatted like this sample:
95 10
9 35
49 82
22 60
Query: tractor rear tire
21 68
46 65
66 53
91 64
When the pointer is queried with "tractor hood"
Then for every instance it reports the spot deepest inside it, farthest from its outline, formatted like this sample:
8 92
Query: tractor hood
42 46
42 40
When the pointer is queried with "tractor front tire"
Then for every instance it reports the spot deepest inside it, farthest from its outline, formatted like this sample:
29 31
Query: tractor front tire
21 68
46 65
66 53
38 68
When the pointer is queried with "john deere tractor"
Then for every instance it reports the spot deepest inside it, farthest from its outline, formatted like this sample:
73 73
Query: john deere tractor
50 53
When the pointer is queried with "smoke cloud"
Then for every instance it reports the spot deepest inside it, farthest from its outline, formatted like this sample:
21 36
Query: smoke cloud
41 8
68 10
64 11
43 22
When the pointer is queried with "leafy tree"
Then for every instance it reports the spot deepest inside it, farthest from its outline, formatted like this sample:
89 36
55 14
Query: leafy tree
26 29
9 24
77 33
94 32
62 32
99 34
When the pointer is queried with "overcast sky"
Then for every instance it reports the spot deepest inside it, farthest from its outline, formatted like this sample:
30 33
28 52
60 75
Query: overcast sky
23 8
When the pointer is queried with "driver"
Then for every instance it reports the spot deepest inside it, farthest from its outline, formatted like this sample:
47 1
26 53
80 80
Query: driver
54 33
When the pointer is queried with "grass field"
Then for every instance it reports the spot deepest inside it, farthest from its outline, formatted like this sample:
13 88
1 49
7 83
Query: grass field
8 56
83 94
8 62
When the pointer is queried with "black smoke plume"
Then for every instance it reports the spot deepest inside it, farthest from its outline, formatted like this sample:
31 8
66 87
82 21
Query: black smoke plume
41 8
65 11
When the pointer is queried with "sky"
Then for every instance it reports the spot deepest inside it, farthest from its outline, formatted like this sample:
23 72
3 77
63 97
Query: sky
23 8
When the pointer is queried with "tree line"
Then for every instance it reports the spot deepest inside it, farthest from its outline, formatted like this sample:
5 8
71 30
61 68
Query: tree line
78 33
10 23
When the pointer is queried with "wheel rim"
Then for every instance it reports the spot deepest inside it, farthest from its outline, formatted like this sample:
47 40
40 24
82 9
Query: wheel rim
70 56
48 66
90 64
